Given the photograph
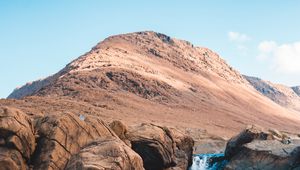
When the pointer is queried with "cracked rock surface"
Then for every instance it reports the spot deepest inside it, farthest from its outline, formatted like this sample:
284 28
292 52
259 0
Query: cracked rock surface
257 148
106 153
74 141
61 136
17 140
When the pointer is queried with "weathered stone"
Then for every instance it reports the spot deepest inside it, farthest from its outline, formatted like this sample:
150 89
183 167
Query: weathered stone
106 153
266 155
11 159
120 130
17 138
63 135
235 144
259 149
161 147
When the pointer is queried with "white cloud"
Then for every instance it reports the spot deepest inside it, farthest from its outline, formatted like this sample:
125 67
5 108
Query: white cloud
283 57
238 37
267 46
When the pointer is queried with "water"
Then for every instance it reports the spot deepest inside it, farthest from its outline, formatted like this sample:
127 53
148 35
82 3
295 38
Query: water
208 162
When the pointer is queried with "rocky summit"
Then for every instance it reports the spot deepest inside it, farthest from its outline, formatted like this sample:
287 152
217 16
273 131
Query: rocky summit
145 100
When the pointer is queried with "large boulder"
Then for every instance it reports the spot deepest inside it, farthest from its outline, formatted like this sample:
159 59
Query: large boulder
266 155
62 135
161 147
17 140
106 153
235 144
260 149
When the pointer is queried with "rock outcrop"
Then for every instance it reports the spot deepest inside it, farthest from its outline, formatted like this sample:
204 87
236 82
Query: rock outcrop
17 139
61 136
106 153
161 147
76 141
256 148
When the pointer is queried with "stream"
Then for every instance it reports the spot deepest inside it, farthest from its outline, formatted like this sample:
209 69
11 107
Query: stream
213 161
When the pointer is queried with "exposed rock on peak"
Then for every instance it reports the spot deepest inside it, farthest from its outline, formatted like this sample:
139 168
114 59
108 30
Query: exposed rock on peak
135 51
146 45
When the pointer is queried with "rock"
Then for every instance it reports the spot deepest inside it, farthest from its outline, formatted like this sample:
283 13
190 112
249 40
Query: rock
106 153
235 144
119 128
206 143
161 147
11 159
63 135
257 148
17 139
266 155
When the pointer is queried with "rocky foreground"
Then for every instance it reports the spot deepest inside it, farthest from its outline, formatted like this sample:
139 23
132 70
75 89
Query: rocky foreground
68 141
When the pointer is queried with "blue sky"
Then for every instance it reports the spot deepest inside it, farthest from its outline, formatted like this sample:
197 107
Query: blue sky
259 38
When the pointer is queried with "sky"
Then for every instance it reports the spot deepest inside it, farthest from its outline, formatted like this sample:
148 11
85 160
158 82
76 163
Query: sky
258 38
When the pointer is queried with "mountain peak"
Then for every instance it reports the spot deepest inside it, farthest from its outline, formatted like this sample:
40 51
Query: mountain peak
149 54
129 49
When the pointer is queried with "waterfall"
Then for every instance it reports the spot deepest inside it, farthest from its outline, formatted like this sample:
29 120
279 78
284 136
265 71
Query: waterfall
200 163
208 162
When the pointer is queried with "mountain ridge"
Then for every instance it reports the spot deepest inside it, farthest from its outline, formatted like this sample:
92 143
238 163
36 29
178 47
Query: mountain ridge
151 77
281 94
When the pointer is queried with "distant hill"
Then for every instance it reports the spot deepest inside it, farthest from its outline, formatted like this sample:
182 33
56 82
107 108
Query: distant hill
285 96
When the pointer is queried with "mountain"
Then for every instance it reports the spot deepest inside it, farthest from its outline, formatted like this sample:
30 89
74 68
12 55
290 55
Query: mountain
29 88
151 77
285 96
296 89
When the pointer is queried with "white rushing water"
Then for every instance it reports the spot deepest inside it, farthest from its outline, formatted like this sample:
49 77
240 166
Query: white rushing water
214 161
200 163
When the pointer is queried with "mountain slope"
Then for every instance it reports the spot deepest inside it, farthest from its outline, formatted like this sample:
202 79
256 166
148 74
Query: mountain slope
296 90
150 77
283 95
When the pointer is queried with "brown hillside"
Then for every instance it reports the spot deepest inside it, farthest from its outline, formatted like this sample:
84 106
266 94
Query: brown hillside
150 77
